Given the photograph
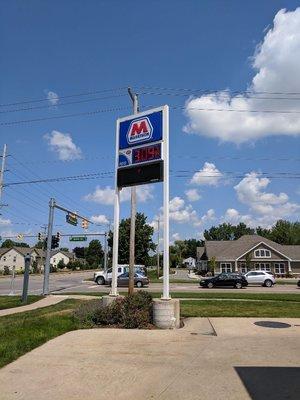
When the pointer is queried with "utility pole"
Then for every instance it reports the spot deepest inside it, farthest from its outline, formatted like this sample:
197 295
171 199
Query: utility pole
134 99
2 172
105 251
26 278
158 229
48 251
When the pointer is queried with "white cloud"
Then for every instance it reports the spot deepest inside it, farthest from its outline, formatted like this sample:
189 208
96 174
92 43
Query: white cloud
276 61
176 236
176 204
99 219
63 145
52 98
4 222
106 195
266 207
208 175
192 195
208 216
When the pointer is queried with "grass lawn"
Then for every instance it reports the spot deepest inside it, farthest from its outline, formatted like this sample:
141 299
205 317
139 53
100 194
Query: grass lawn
15 301
239 309
25 331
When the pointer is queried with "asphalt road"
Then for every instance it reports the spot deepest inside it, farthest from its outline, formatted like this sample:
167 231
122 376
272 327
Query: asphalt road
76 282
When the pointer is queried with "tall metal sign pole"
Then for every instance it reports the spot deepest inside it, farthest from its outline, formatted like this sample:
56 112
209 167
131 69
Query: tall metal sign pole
134 99
48 251
142 157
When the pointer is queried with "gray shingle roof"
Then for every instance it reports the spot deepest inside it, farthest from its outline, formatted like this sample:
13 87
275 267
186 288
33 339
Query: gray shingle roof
232 249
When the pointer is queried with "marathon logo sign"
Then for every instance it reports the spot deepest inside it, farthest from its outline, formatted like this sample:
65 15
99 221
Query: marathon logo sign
139 131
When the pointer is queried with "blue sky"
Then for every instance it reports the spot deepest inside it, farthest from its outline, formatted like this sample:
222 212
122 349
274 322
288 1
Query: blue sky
55 49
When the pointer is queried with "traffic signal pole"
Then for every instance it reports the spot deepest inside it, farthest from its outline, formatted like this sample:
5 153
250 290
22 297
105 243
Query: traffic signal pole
134 99
48 251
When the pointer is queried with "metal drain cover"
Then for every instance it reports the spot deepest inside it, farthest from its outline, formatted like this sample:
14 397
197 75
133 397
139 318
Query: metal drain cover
272 324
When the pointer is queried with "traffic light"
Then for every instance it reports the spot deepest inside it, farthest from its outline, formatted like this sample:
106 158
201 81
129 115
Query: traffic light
84 224
39 236
54 242
58 236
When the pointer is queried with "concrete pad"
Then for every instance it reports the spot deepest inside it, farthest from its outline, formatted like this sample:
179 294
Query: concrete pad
159 364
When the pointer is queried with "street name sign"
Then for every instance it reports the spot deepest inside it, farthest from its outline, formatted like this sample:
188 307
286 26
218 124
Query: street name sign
78 239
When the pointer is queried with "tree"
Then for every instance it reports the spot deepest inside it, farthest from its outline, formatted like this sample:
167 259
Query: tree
64 249
143 240
61 264
8 243
79 252
285 232
227 231
39 244
94 253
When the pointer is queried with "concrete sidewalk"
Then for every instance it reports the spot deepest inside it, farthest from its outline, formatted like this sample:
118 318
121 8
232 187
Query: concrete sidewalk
45 302
242 362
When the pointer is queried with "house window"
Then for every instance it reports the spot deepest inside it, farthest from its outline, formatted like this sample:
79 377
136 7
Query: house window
279 268
244 268
15 259
262 253
225 267
263 267
4 258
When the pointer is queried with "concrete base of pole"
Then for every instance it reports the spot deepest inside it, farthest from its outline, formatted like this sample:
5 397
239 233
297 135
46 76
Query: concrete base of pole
166 313
107 300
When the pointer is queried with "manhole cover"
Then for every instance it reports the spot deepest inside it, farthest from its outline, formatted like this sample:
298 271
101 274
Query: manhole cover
272 324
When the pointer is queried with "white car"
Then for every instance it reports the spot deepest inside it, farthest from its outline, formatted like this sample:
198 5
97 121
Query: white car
262 278
102 277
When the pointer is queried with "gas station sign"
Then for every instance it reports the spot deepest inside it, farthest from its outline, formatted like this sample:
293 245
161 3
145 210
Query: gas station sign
140 148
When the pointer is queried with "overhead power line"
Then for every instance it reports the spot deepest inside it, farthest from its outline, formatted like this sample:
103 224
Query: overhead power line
85 93
50 106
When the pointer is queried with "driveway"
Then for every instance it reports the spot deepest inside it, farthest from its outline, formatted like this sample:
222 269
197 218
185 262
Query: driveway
244 361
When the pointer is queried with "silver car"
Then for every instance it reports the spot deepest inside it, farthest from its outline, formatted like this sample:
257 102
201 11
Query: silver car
262 278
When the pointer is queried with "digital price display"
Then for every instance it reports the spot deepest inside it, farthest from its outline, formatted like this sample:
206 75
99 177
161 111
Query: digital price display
146 154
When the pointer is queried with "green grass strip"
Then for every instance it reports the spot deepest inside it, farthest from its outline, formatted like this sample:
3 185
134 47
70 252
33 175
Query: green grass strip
239 309
15 301
25 331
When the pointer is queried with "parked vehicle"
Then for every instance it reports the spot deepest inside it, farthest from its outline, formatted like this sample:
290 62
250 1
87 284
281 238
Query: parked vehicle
298 283
139 280
102 277
225 280
262 278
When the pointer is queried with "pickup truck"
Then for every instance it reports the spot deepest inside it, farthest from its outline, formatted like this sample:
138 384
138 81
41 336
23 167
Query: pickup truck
102 277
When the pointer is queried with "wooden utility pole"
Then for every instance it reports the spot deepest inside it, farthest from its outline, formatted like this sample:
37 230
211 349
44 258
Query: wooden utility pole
134 99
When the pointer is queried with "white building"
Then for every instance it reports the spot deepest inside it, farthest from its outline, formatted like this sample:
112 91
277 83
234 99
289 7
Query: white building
59 255
15 257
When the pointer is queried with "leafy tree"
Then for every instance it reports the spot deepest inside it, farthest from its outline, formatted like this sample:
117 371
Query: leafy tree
285 232
61 264
8 243
39 244
79 252
143 240
64 249
94 252
227 231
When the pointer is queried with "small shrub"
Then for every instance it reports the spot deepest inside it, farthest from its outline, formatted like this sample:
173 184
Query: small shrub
6 270
131 312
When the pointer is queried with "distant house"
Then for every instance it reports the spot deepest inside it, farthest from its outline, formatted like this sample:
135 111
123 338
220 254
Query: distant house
15 257
58 255
250 252
189 263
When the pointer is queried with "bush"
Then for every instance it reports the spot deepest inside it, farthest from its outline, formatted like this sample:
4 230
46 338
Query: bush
6 270
131 312
61 264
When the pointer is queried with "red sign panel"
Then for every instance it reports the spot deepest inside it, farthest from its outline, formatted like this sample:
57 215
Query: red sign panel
146 154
